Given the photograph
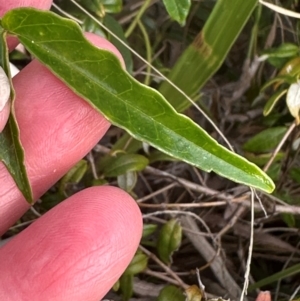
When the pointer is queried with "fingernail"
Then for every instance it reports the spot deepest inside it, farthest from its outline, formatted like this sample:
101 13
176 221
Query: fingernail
4 89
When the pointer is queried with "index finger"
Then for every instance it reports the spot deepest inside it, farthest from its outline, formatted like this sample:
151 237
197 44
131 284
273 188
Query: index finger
13 42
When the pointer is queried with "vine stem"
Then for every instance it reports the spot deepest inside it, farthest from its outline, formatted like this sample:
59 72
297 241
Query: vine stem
137 18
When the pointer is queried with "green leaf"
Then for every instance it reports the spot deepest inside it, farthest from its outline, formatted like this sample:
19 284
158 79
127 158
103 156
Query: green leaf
169 240
289 219
262 159
275 170
98 77
121 163
127 181
159 156
279 55
99 182
126 286
292 67
137 265
285 50
101 7
116 286
148 229
117 29
89 25
178 9
269 106
266 140
128 144
170 292
112 6
11 150
295 174
278 80
74 175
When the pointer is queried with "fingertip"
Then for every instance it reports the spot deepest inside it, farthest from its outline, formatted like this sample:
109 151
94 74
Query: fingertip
76 251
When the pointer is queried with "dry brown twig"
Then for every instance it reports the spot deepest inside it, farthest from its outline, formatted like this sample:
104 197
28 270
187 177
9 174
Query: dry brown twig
208 253
164 267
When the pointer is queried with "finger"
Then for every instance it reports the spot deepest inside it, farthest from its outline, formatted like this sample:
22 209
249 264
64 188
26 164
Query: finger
10 4
57 129
76 251
263 296
12 42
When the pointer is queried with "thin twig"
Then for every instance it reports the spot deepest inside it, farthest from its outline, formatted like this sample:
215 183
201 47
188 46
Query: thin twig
281 10
177 212
90 158
67 14
250 251
217 265
165 267
232 222
244 200
161 276
279 146
295 293
191 185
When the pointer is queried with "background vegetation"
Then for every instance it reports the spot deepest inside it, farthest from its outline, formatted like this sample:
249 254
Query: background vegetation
195 219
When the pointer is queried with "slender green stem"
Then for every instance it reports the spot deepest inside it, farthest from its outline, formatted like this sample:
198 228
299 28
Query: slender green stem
137 18
254 33
148 51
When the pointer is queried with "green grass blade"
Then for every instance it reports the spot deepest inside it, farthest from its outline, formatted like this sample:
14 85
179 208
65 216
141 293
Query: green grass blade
98 77
208 51
295 269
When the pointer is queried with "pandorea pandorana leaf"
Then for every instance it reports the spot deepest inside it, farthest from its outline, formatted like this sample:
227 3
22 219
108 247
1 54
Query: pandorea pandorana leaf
99 78
11 151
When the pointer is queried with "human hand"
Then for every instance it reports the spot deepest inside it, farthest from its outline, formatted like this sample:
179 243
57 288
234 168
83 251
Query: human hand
77 250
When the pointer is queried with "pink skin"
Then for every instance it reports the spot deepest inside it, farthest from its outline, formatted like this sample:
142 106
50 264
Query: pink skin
6 5
78 250
264 296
